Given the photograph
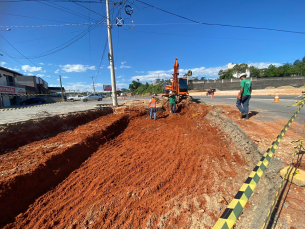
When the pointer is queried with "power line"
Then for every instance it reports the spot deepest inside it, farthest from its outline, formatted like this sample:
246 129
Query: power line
16 15
223 25
59 25
64 45
87 8
83 1
17 50
62 8
105 46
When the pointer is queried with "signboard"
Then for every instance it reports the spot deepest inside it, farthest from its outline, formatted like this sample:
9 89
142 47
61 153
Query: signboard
118 89
12 90
107 87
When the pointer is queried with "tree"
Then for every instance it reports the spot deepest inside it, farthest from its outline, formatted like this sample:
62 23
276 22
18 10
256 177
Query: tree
254 72
189 73
240 68
220 72
195 78
228 74
202 78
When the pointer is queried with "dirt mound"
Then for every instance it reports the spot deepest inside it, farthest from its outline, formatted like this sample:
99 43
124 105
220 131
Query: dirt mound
13 136
286 87
33 169
173 172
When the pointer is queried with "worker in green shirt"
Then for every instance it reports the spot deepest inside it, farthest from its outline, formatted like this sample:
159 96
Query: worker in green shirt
172 102
244 96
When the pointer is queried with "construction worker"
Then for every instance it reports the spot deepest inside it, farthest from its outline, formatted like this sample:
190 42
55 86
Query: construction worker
244 96
153 107
172 102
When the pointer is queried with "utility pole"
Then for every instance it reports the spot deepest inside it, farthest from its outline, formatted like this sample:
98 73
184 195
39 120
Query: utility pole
110 56
62 97
93 84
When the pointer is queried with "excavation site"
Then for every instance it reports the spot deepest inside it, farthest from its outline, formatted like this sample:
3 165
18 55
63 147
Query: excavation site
120 169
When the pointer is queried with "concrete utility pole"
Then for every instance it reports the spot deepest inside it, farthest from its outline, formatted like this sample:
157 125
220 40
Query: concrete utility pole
113 84
62 97
93 84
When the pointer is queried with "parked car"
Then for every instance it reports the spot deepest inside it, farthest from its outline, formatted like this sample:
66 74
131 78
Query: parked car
97 97
76 97
33 101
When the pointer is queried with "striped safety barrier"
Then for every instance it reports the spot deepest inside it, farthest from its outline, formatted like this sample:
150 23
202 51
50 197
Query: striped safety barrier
19 108
233 210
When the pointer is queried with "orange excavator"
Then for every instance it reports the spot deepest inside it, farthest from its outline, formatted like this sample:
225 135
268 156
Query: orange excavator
179 86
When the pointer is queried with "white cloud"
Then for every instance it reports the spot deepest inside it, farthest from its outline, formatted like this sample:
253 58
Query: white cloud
28 68
40 75
118 77
122 85
263 65
76 68
48 76
65 77
123 65
57 71
3 63
139 71
82 86
41 63
211 72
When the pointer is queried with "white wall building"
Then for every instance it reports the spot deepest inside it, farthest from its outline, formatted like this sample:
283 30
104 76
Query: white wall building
9 87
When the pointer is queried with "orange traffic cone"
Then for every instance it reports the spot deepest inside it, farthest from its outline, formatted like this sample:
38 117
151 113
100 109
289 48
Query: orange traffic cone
212 95
276 99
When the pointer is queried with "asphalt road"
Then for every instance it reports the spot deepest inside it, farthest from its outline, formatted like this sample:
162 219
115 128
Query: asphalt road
38 111
262 106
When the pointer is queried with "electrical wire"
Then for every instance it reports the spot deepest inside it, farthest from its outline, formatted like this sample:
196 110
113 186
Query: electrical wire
105 46
87 8
17 50
83 1
16 15
62 8
64 45
10 56
59 25
223 25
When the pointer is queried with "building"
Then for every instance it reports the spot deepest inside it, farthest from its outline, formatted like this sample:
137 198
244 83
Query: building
9 88
33 84
230 66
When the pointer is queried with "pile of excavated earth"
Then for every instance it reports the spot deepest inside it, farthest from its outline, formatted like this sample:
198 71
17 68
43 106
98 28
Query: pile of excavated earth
124 170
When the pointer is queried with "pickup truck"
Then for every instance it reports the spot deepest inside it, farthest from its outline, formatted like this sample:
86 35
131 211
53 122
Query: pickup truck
74 98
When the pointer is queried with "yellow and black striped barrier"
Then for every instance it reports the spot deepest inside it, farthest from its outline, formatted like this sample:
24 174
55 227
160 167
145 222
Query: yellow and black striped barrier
233 210
289 171
25 95
20 108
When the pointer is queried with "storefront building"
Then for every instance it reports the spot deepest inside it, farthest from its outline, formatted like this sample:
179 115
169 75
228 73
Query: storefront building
9 89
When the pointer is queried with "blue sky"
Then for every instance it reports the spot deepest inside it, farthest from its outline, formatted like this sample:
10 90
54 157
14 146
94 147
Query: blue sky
145 47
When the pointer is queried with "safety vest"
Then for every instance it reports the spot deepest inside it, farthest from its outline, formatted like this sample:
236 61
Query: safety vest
152 103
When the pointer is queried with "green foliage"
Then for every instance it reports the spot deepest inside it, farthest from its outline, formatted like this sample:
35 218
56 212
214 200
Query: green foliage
287 69
202 78
227 75
189 73
138 88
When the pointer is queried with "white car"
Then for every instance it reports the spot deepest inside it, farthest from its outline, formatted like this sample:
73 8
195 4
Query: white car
90 97
74 98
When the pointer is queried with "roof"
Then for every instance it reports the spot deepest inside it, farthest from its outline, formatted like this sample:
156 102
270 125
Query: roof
9 70
56 89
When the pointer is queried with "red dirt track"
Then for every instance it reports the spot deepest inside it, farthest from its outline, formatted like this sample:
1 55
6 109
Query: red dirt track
136 173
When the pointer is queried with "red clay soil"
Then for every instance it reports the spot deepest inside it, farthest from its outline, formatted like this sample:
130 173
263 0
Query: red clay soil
175 172
291 211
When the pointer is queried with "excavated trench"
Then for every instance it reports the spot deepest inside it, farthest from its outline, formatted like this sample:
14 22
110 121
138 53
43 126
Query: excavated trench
127 171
